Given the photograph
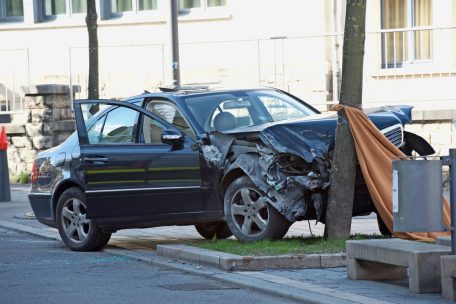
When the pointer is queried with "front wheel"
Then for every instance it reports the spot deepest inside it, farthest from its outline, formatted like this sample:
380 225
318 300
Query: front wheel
248 214
76 231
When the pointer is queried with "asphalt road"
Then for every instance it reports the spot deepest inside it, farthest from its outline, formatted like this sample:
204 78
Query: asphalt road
36 270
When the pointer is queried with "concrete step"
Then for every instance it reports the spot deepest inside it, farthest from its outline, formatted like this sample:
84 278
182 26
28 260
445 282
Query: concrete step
14 122
13 117
443 240
13 129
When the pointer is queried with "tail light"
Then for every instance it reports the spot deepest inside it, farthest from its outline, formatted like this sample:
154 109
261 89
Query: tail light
34 172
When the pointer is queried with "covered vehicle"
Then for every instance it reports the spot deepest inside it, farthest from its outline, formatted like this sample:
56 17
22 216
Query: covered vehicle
242 162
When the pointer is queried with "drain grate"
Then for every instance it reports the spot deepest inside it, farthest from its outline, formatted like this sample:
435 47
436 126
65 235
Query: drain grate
197 286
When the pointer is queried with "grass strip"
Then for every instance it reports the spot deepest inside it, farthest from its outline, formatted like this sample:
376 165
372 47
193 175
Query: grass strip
292 245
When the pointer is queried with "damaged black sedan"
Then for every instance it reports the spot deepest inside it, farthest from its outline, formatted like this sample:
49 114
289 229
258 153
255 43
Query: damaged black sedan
242 162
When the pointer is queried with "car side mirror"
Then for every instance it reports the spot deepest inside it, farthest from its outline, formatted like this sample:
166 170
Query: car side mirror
172 137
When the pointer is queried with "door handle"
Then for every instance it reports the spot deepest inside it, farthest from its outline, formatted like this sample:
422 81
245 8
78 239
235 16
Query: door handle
96 159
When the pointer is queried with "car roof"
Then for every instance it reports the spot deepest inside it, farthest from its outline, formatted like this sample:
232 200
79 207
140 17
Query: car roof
175 94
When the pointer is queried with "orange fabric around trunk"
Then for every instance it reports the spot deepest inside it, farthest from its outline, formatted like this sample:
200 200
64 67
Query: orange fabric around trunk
375 155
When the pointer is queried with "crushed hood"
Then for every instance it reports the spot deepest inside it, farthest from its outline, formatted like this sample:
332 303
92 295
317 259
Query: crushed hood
315 135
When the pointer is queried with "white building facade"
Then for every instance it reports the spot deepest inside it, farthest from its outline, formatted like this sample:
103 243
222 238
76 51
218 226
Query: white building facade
296 45
291 44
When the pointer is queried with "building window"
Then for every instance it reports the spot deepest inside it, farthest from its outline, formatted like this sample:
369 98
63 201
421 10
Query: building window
79 6
55 8
11 10
195 4
189 4
213 3
119 7
405 38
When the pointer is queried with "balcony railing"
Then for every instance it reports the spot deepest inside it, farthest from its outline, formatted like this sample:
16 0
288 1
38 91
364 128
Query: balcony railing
401 47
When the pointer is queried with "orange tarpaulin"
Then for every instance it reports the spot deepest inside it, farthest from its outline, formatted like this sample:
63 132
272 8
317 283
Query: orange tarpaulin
375 155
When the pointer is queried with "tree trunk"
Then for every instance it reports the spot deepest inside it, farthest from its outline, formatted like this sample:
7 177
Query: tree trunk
343 167
91 21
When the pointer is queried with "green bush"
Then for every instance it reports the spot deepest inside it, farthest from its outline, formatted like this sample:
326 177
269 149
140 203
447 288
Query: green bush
23 178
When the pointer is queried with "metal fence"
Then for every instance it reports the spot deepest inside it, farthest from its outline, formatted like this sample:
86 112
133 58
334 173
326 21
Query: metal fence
398 66
15 73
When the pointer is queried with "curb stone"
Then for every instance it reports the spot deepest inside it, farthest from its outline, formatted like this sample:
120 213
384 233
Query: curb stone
30 230
281 287
232 262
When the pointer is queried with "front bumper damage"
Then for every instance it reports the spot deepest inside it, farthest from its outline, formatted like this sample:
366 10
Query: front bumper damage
291 168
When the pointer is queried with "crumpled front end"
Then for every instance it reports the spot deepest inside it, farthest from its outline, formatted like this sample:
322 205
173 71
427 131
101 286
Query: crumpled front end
292 168
290 160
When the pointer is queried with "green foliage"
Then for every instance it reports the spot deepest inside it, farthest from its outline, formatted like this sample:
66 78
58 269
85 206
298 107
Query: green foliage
293 245
23 178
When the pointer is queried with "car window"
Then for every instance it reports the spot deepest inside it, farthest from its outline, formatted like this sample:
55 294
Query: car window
94 132
117 126
227 117
169 112
223 112
152 131
203 107
279 109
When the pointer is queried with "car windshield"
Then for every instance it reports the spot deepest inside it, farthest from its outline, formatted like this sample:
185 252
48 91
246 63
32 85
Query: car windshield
227 111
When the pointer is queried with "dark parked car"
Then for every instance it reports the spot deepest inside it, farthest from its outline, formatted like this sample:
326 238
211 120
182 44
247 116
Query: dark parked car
242 162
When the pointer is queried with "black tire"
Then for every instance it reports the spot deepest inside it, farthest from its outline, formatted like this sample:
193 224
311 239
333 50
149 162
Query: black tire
217 230
382 227
255 219
81 234
285 228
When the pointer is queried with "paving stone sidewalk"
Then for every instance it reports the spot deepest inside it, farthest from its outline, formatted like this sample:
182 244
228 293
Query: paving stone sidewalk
304 285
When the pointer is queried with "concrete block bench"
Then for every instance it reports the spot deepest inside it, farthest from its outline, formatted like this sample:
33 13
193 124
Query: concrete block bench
396 259
443 240
448 264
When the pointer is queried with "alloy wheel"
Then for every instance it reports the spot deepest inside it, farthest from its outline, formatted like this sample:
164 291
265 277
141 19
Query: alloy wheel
250 212
75 223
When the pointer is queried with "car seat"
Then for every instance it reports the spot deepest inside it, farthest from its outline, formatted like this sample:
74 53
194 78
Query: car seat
180 123
152 132
224 121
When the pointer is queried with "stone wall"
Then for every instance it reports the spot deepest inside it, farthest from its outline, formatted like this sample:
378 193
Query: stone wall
47 122
438 133
436 125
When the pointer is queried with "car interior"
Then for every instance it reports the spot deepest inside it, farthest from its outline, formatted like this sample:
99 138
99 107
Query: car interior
152 129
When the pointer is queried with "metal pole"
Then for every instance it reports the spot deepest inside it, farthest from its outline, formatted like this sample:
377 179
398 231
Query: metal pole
5 191
28 66
453 199
163 63
259 62
70 78
174 42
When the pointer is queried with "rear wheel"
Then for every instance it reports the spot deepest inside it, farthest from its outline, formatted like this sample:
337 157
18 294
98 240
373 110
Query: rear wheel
76 231
217 230
248 214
